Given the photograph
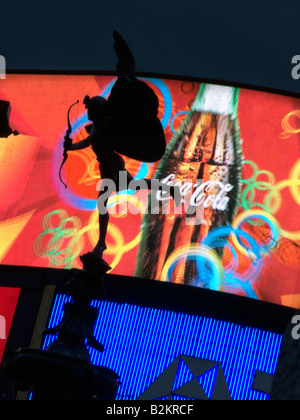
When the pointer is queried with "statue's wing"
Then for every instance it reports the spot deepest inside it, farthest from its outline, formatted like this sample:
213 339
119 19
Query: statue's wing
126 63
137 133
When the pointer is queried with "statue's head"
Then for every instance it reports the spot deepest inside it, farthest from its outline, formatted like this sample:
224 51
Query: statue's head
97 107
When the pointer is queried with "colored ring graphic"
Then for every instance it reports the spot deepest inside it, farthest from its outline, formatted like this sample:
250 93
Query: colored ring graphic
67 239
67 227
233 277
288 129
174 118
273 200
295 177
204 256
250 214
219 237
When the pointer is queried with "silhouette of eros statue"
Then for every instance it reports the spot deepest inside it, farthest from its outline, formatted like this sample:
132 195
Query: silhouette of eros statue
127 124
5 129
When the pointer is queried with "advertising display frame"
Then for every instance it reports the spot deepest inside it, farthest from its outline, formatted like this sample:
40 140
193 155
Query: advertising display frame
171 78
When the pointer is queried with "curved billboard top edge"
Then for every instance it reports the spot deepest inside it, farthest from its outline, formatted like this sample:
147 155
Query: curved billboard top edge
243 85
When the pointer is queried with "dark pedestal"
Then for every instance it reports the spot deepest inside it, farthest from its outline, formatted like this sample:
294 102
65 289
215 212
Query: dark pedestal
51 376
64 371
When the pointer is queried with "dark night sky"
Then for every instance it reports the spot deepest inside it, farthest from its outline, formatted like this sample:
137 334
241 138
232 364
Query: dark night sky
243 41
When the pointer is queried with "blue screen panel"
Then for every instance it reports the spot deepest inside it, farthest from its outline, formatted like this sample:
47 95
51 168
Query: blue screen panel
162 354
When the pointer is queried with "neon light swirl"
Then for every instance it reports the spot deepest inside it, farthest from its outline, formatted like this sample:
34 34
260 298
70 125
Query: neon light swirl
257 214
247 200
205 258
288 129
66 228
62 228
295 178
272 200
233 278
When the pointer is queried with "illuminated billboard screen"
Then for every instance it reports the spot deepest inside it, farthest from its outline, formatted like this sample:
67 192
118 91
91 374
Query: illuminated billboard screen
232 152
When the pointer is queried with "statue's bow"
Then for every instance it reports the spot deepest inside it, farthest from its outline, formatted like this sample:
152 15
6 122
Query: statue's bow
67 135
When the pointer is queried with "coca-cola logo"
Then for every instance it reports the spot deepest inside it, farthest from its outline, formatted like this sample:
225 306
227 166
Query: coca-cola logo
207 194
191 198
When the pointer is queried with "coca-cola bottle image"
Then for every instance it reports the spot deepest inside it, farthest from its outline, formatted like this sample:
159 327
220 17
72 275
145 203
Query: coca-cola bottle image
204 157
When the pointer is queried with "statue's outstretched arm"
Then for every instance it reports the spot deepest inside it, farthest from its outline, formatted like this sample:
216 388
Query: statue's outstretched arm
82 144
69 145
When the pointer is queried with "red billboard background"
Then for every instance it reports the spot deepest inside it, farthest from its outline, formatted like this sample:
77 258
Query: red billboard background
44 225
